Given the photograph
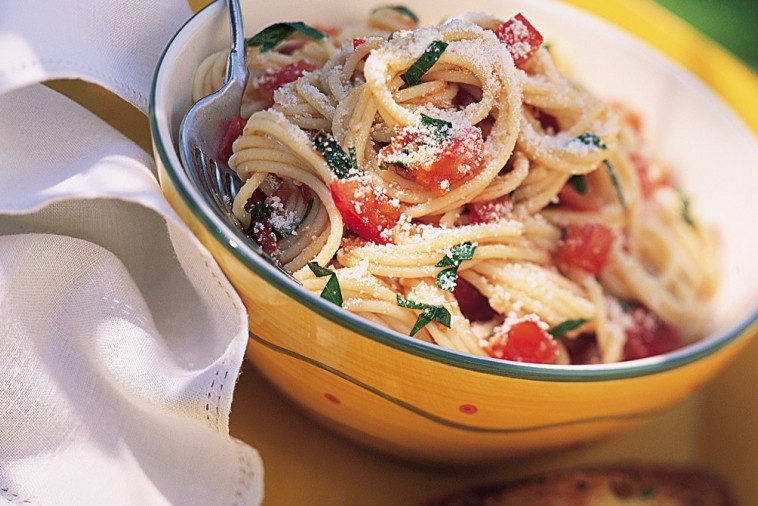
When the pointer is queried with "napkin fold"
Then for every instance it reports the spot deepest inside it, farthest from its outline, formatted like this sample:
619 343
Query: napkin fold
121 339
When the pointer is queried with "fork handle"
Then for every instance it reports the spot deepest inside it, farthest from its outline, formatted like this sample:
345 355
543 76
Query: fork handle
237 66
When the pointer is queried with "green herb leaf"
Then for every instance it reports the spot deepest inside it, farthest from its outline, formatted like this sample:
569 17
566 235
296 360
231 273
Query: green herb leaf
627 305
567 326
335 156
615 182
353 158
271 36
447 278
578 183
440 128
458 253
319 271
590 139
429 313
331 291
307 212
648 492
686 215
260 210
402 10
432 53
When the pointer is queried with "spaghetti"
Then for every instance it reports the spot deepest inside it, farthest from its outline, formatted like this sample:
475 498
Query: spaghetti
457 186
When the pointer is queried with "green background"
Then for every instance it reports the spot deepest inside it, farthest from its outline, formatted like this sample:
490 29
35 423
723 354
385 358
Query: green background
731 23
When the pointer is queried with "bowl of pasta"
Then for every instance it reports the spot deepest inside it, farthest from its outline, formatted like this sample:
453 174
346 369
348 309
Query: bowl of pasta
507 230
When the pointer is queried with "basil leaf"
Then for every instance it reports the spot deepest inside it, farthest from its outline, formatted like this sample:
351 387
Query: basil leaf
353 158
567 326
432 53
308 210
429 313
259 210
447 278
271 36
686 215
590 139
319 271
458 253
331 291
440 128
402 10
615 182
627 305
648 492
335 156
578 183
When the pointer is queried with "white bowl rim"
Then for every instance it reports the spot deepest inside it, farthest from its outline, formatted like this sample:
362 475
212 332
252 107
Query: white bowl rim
234 242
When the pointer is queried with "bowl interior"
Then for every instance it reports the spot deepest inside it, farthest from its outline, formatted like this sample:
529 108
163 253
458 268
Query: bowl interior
714 155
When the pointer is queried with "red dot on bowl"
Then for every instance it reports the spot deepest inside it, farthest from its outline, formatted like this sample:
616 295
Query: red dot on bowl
468 409
332 398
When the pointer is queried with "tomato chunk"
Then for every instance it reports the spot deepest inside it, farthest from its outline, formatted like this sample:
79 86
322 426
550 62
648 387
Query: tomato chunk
490 211
648 336
367 211
520 37
260 226
526 341
431 163
472 303
233 130
266 84
585 246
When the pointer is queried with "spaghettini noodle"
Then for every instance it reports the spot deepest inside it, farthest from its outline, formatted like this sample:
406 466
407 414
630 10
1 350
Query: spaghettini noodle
378 156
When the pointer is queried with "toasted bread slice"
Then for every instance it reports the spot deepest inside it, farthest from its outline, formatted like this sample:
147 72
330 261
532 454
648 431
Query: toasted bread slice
631 485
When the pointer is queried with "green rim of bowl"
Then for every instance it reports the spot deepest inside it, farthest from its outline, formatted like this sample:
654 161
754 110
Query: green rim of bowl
234 242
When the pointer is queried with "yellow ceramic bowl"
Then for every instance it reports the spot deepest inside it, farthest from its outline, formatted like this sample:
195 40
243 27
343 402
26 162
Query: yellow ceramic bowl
416 400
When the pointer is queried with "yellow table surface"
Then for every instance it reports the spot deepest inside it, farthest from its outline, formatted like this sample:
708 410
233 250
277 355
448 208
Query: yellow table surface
307 464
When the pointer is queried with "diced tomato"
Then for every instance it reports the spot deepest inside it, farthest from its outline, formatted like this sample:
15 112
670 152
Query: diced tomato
265 84
358 43
641 164
630 117
570 197
454 159
649 183
520 37
648 336
233 130
585 246
367 211
472 303
270 219
261 228
489 211
526 341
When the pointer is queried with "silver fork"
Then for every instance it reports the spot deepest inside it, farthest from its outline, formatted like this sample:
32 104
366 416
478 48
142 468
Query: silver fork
205 125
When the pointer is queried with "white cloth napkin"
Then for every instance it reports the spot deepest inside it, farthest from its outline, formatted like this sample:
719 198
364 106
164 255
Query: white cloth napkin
120 339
